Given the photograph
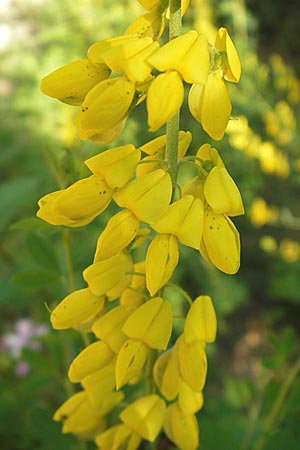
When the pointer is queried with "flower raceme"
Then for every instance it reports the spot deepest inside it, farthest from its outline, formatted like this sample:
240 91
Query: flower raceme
105 102
127 302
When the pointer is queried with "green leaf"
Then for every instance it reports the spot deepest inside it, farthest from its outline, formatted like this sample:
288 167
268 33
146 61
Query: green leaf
43 253
36 278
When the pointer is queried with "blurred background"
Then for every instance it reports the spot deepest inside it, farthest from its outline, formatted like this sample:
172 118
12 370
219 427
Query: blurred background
252 395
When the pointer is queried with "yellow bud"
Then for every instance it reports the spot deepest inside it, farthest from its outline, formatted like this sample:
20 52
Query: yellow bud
130 361
72 82
135 294
147 196
145 416
120 230
151 323
116 166
76 308
94 357
221 242
164 98
98 49
208 153
201 322
161 261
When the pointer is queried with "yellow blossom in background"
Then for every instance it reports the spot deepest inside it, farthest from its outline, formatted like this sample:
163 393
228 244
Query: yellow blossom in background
261 213
289 250
268 244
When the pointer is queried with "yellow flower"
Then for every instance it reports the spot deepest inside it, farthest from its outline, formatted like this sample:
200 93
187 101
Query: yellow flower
191 362
164 98
183 218
72 82
210 105
151 323
79 416
145 416
105 107
130 361
76 308
161 261
109 327
135 294
118 437
182 429
201 322
76 205
147 196
120 230
109 276
188 54
116 166
221 242
166 375
232 69
92 358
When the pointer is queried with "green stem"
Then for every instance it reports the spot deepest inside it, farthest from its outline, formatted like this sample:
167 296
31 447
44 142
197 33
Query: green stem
173 124
272 417
68 259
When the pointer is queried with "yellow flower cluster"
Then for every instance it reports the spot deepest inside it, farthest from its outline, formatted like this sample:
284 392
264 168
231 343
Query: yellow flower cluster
125 304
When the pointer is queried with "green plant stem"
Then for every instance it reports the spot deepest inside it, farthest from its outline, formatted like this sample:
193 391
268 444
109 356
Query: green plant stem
68 259
271 418
173 124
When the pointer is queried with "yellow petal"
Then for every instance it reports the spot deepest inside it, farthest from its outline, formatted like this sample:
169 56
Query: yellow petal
208 153
135 294
201 322
216 106
222 194
73 81
192 363
99 136
184 219
151 323
120 230
161 261
149 4
164 98
99 48
137 67
222 242
195 100
169 55
194 64
166 375
76 308
181 429
116 166
99 385
147 196
145 416
224 43
151 24
189 401
109 327
130 361
106 104
103 276
94 357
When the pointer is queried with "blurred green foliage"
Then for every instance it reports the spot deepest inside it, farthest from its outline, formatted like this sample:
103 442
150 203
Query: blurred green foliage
252 395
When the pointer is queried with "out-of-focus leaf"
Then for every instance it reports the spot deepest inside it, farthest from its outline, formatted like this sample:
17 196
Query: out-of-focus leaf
42 252
34 278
